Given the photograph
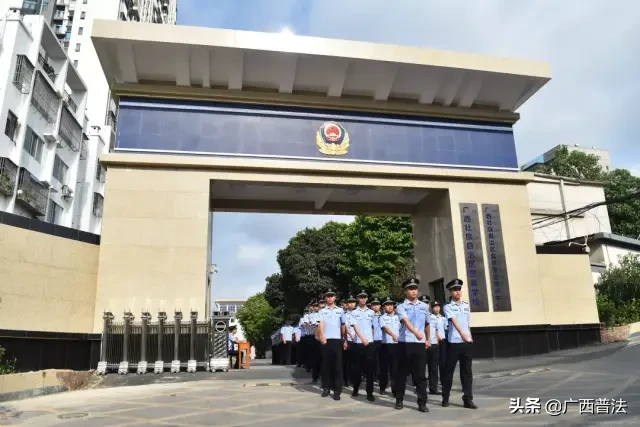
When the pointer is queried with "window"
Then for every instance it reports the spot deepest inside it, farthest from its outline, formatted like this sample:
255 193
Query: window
33 144
60 170
84 1
54 213
77 47
75 63
98 202
23 74
70 131
11 127
100 173
44 99
80 31
82 15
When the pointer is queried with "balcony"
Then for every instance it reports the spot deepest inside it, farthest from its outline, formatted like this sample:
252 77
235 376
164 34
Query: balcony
47 67
70 102
70 131
98 203
83 147
58 16
32 194
45 100
101 173
60 31
8 176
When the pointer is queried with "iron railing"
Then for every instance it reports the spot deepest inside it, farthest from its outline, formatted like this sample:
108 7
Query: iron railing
23 75
8 176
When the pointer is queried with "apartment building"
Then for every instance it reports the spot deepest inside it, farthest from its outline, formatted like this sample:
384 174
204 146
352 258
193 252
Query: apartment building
44 149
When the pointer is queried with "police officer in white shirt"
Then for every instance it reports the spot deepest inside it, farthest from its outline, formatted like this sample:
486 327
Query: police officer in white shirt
361 319
390 326
458 314
331 341
436 322
412 341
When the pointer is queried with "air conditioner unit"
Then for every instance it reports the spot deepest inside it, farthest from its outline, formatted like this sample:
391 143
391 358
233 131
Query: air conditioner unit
50 137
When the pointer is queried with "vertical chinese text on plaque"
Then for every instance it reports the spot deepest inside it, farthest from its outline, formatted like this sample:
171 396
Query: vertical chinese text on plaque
473 257
496 258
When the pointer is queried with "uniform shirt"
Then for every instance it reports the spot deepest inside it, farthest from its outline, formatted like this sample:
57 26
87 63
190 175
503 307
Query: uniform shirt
332 320
392 322
377 330
231 342
462 313
348 323
302 327
417 314
364 320
297 332
287 333
437 324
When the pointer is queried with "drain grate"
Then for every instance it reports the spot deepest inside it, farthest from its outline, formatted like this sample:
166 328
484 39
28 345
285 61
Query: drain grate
72 415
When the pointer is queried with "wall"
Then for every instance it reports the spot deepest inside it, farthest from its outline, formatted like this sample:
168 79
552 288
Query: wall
566 279
545 199
48 282
153 252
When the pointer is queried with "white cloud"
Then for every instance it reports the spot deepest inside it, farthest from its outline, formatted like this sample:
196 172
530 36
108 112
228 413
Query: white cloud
248 254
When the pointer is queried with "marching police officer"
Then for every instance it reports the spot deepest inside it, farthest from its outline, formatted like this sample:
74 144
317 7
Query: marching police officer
458 314
390 326
316 353
331 341
361 318
412 357
377 337
349 334
436 322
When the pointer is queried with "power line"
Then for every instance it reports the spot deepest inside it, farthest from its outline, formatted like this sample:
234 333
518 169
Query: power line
549 220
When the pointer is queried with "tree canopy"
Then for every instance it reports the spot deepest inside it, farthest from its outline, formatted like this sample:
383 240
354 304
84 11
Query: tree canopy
617 183
258 320
619 292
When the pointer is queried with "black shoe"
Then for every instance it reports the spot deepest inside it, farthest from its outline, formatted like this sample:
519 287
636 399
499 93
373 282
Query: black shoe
354 393
434 392
383 393
469 404
445 403
399 404
370 398
325 392
336 396
423 408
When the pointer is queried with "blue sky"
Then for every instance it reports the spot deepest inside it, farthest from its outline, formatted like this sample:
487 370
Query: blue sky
593 47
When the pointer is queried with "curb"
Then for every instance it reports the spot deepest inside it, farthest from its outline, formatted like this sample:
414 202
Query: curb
478 376
26 394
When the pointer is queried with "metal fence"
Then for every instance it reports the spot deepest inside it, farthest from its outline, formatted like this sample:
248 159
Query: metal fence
138 346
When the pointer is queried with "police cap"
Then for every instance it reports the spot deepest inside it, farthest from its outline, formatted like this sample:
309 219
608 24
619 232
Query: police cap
330 293
435 304
350 299
387 301
362 294
411 283
375 301
455 283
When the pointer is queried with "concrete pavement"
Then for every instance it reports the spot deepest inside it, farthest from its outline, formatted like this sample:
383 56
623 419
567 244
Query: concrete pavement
223 400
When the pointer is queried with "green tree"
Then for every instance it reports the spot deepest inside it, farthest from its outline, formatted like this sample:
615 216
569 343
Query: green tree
619 292
259 320
376 251
623 216
309 266
573 164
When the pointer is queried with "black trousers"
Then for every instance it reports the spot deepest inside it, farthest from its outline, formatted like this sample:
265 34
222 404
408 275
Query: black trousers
346 363
362 360
275 354
388 365
316 350
412 358
376 358
458 352
285 353
444 345
332 365
433 365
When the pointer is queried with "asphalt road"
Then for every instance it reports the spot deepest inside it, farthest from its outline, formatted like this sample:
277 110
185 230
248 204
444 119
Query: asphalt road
282 396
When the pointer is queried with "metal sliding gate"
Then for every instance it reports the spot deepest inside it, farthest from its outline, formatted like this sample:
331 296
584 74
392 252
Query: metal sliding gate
144 345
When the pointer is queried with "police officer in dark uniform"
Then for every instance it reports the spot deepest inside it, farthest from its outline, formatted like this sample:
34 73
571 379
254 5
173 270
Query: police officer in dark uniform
390 326
458 315
361 319
433 353
412 341
377 337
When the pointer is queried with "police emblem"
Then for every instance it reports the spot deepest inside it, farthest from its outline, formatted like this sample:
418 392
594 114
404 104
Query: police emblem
332 139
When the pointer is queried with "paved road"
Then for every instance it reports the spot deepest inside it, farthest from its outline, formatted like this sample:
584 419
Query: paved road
222 400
